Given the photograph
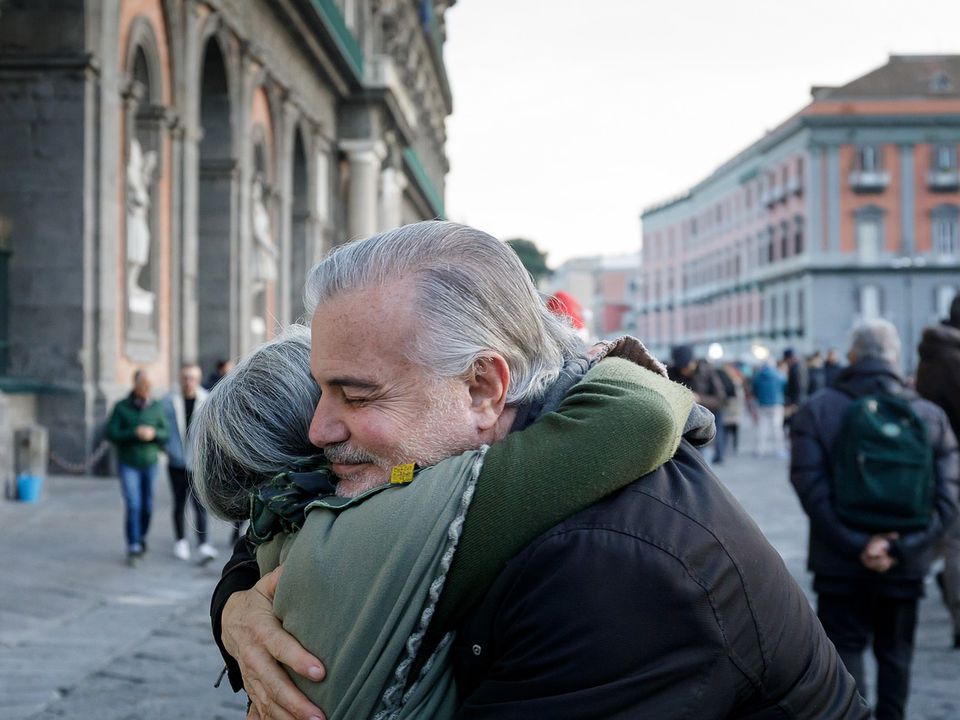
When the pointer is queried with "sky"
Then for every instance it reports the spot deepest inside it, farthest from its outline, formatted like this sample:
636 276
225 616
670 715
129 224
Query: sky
570 117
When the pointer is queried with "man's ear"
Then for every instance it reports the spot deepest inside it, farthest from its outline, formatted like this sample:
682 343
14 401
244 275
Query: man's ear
488 381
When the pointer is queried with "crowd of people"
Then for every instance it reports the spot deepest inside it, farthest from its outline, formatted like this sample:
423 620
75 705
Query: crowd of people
456 509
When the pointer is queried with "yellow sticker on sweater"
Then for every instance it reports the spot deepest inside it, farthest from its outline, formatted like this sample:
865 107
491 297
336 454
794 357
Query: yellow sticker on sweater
402 474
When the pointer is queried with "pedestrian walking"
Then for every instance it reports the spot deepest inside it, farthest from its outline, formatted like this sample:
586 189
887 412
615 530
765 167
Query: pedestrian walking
876 469
767 385
733 409
701 377
798 385
138 429
938 380
179 406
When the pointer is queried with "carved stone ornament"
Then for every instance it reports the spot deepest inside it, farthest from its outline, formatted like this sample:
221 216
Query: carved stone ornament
140 168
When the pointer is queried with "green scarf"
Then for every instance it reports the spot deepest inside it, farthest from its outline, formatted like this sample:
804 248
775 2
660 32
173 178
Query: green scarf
398 545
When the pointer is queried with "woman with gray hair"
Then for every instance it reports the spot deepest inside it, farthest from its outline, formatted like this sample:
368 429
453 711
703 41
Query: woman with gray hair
365 577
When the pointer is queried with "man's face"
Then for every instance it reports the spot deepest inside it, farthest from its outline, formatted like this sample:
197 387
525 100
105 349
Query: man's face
142 386
189 381
377 408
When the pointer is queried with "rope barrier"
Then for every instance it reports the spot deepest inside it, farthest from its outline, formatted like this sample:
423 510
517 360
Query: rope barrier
84 467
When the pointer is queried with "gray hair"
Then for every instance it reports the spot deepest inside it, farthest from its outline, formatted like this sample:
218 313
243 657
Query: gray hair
877 339
474 297
255 424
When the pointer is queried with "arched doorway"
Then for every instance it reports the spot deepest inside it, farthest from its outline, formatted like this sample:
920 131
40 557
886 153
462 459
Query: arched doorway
216 328
299 228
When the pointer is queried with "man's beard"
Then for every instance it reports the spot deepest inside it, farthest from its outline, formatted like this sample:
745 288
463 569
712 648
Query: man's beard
442 433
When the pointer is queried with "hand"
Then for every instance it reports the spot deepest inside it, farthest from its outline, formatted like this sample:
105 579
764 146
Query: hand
252 635
146 432
876 554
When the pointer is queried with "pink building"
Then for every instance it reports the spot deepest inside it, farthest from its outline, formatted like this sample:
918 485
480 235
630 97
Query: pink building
847 211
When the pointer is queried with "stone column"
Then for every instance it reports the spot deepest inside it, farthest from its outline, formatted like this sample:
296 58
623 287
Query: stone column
365 158
393 182
319 232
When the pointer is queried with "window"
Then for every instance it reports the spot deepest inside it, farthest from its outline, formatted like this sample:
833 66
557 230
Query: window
944 158
869 302
798 235
940 82
868 158
945 230
869 229
800 309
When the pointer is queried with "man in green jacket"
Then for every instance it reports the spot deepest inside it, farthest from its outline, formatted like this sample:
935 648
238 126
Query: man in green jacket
138 429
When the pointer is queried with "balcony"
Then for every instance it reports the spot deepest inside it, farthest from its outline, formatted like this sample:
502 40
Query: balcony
869 181
943 180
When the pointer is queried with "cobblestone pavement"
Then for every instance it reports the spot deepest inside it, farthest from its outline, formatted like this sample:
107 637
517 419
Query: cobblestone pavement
83 636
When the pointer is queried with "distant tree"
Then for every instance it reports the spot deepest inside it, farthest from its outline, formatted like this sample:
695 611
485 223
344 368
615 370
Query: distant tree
533 259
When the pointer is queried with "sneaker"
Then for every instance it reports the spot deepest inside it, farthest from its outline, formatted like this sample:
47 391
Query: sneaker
207 553
181 549
133 556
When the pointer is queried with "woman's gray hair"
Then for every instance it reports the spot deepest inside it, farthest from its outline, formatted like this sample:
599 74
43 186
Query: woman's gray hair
876 339
474 296
255 424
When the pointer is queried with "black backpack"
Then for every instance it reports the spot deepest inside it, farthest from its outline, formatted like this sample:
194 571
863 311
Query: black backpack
883 476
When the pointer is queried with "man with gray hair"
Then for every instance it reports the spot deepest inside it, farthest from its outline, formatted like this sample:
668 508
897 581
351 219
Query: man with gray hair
876 470
663 600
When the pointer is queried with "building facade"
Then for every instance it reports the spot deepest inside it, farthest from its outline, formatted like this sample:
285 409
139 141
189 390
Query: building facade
605 286
847 211
170 169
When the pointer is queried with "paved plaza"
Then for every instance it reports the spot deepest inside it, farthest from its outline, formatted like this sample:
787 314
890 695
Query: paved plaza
84 637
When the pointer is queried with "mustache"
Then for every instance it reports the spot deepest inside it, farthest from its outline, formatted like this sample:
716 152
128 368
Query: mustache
345 454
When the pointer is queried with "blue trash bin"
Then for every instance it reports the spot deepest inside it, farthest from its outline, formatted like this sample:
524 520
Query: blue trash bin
28 488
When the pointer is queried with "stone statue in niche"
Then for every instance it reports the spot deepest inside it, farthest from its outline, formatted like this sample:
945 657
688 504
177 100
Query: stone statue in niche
140 168
264 249
265 256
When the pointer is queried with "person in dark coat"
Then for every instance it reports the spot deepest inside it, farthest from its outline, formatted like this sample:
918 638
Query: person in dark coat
816 374
702 378
868 583
798 384
663 601
831 367
938 380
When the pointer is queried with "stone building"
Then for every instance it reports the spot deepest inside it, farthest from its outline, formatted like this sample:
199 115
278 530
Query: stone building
605 285
170 169
847 211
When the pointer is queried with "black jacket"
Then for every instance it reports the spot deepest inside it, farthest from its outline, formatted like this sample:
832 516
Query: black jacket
662 601
938 374
835 547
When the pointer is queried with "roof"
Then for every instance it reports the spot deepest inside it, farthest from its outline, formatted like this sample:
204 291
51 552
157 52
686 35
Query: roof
904 76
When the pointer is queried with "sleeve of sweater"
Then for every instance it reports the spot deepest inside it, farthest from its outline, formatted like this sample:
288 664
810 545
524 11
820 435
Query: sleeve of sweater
118 431
619 423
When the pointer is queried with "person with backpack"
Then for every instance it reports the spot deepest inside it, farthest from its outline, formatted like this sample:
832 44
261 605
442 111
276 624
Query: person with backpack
876 469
